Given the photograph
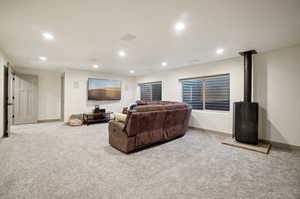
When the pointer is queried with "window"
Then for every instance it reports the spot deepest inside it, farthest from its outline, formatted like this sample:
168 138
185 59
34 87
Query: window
150 91
209 93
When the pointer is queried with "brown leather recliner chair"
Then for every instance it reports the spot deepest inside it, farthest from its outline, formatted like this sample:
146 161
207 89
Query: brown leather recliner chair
149 124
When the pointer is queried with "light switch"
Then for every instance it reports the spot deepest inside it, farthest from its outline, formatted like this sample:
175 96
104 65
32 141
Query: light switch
76 84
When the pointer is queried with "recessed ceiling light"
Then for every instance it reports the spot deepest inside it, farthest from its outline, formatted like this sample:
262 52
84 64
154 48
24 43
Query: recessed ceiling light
95 66
131 71
220 51
48 36
164 63
122 53
42 58
179 26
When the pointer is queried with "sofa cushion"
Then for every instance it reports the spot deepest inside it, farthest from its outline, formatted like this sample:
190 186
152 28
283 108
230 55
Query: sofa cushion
132 106
120 117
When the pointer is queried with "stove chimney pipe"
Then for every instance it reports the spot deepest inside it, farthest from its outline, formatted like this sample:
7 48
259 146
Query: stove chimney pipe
248 74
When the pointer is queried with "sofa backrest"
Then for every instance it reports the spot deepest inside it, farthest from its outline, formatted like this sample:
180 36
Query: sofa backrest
141 102
140 122
147 108
158 118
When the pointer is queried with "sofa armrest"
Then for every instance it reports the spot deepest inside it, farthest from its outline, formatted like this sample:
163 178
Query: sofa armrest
118 138
116 127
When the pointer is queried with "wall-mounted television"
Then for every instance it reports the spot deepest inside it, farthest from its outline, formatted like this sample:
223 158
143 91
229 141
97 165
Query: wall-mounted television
103 89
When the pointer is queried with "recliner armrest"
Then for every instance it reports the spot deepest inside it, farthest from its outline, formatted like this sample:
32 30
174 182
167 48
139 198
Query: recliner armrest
115 126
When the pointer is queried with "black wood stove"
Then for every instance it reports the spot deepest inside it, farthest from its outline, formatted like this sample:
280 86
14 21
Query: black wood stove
245 114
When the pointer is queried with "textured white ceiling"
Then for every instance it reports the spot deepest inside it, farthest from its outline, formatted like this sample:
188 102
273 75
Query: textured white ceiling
89 32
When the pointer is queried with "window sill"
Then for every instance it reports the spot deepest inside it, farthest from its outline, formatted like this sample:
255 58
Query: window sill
211 111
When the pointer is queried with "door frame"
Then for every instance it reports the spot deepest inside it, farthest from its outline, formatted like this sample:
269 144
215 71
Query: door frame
5 101
7 98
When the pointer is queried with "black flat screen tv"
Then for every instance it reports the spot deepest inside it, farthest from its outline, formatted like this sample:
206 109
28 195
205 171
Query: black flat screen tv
103 89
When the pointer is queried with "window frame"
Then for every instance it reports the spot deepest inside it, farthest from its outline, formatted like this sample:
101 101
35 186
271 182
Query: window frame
203 78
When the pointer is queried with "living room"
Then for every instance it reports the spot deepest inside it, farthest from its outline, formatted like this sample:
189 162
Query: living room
160 99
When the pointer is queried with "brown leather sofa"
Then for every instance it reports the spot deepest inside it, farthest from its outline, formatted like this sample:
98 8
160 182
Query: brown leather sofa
150 123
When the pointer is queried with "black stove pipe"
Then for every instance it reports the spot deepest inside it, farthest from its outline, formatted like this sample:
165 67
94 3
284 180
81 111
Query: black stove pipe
247 74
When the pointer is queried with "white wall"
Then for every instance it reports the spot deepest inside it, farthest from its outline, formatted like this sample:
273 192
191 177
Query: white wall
212 120
276 88
76 98
49 92
2 63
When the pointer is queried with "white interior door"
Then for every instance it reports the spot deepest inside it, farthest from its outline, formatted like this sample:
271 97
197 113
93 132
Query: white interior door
26 99
62 98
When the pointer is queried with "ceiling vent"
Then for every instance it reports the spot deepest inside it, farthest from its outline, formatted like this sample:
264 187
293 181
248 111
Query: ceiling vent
93 60
194 60
128 37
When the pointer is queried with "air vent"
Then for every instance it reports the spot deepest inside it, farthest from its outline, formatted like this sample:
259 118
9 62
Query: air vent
128 37
194 60
93 60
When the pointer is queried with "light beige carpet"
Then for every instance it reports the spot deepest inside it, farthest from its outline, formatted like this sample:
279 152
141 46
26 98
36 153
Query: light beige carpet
50 160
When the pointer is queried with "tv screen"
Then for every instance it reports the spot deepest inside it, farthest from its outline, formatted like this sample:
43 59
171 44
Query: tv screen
103 89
